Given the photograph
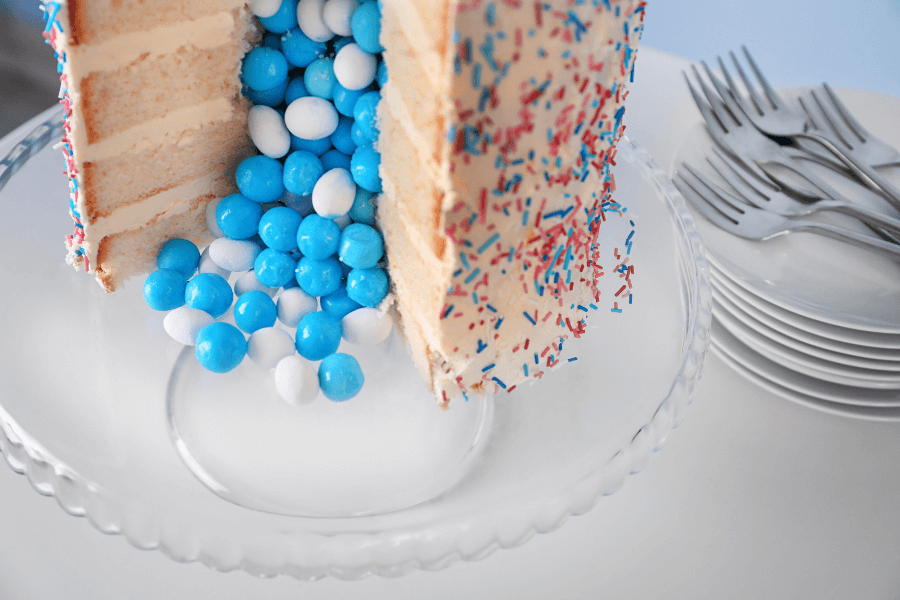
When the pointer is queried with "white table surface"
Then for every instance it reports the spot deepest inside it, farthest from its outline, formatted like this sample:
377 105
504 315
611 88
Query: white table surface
752 497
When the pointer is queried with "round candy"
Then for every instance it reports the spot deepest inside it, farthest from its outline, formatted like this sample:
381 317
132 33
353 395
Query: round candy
367 286
220 347
334 193
260 178
319 277
340 376
267 346
180 255
210 293
312 21
207 265
278 228
268 132
354 68
164 289
365 111
344 99
264 68
238 217
319 78
338 304
341 138
296 380
234 255
366 27
254 310
335 159
285 18
302 170
248 283
295 89
184 323
294 304
357 135
367 326
364 165
274 268
318 237
265 8
211 224
363 209
299 50
381 74
318 335
311 118
317 147
361 246
271 97
337 14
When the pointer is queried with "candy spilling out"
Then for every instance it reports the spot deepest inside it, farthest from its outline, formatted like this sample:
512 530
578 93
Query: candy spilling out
299 240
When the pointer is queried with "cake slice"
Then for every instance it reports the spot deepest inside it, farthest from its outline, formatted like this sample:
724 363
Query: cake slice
155 122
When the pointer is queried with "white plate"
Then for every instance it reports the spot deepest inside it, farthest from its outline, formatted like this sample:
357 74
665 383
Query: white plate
729 302
809 274
83 407
866 404
856 341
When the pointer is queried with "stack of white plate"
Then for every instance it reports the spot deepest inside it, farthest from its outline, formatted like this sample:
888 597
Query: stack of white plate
812 319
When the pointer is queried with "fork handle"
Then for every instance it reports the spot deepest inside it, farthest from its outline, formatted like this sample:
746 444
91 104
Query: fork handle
865 214
848 235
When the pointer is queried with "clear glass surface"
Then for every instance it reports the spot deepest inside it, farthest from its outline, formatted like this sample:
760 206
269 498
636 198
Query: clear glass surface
83 410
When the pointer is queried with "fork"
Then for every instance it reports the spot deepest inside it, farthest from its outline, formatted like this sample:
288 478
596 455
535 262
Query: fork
743 220
762 196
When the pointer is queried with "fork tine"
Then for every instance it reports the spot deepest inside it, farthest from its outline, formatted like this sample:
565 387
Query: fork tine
774 98
858 130
737 96
751 90
729 205
828 120
715 126
733 107
742 182
701 204
715 103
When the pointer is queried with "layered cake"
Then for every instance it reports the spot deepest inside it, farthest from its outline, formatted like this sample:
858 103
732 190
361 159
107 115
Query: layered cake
495 131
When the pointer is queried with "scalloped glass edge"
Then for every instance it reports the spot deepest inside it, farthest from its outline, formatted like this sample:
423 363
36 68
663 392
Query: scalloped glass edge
79 497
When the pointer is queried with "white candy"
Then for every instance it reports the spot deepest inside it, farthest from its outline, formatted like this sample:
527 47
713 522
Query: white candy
294 304
249 283
265 8
367 326
337 14
268 131
296 380
234 255
208 266
312 22
302 204
333 193
211 222
184 323
354 68
311 118
268 345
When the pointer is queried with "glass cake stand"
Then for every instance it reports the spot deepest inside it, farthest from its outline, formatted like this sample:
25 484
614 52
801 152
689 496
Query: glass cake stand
99 408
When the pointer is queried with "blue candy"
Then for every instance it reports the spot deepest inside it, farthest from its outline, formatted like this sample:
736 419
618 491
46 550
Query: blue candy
345 100
278 228
366 27
260 179
319 78
238 216
273 97
364 168
164 289
341 137
318 237
357 135
302 170
318 335
220 347
319 277
285 18
317 147
335 159
340 376
274 268
272 40
264 68
180 255
209 292
340 42
295 89
361 246
365 111
299 50
363 209
367 286
338 304
254 310
381 75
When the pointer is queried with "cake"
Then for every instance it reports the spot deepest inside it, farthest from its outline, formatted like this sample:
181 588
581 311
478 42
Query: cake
498 125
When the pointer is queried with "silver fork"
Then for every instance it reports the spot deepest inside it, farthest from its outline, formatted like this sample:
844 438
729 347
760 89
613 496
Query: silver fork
743 220
876 152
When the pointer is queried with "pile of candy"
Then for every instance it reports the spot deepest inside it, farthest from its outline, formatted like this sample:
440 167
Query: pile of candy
300 235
